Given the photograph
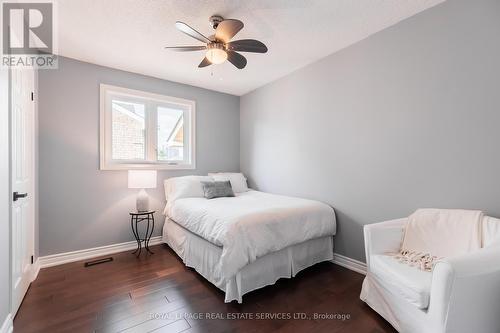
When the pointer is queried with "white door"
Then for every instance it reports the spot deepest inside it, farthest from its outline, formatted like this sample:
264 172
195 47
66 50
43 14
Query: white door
22 154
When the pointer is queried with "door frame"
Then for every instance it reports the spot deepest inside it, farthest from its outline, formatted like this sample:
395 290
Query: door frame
34 268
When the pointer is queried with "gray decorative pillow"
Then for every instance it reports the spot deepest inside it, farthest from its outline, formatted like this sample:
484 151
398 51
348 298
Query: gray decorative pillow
217 189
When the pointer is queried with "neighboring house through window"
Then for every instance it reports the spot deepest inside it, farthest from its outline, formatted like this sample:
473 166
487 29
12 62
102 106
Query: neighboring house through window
140 130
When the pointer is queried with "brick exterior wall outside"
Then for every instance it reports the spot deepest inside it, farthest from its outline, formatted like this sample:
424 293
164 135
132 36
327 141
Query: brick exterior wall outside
127 137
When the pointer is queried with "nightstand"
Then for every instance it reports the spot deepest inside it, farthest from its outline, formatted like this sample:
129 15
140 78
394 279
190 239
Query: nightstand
135 219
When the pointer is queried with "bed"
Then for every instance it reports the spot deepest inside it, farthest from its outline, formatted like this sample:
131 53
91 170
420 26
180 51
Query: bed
245 242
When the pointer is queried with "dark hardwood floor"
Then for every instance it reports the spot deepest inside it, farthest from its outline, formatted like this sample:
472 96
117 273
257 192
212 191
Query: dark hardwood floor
158 293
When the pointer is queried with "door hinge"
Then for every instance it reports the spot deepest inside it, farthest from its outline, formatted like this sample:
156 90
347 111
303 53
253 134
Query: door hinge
32 260
32 96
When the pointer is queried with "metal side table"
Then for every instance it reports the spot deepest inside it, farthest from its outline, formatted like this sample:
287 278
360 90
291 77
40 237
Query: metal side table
135 219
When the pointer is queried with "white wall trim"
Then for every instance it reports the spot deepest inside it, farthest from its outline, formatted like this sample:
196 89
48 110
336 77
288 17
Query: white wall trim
7 326
349 263
35 269
67 257
63 258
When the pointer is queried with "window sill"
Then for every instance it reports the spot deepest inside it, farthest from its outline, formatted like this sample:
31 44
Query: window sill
147 166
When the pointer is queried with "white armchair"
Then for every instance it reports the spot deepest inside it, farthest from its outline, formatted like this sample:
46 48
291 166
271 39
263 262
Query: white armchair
461 294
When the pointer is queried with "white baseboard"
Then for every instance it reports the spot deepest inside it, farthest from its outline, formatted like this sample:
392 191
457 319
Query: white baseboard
35 269
67 257
64 258
7 326
349 263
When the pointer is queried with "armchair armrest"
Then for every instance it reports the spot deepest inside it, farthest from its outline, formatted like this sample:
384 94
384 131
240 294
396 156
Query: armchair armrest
465 291
383 237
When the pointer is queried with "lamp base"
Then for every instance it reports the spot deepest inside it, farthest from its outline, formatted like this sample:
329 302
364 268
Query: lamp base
142 203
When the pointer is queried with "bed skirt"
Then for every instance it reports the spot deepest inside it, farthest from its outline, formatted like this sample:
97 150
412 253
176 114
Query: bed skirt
202 255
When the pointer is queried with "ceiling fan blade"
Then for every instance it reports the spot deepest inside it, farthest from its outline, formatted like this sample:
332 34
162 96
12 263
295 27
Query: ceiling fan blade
204 63
247 45
186 48
236 59
227 29
191 32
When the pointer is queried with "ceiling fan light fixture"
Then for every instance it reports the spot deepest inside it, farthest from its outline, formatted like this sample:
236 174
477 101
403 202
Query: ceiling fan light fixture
220 47
216 54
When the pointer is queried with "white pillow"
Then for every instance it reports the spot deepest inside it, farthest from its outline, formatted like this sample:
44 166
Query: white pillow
184 187
237 179
491 231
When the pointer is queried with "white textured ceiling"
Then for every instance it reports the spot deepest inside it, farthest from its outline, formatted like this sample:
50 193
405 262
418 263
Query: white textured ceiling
130 34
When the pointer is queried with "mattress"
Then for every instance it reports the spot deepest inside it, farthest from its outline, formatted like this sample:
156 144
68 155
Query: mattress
203 256
252 224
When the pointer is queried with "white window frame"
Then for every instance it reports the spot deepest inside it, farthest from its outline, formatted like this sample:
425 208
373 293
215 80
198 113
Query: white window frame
150 162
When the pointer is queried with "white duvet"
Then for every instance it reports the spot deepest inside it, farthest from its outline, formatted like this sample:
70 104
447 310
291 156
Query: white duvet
252 224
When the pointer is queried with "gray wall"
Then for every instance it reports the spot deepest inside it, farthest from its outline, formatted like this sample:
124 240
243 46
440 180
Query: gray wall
406 118
82 207
4 198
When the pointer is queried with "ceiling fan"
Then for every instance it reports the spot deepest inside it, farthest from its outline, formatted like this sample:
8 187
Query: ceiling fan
219 46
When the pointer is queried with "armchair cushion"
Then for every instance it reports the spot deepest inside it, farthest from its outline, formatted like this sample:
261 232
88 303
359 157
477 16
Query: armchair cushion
407 282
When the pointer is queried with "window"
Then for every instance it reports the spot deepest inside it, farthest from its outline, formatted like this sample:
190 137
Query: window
140 130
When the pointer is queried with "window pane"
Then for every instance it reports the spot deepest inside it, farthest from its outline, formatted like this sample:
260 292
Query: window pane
128 134
170 134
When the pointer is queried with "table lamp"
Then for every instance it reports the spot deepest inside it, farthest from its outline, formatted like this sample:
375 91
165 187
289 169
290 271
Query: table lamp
142 179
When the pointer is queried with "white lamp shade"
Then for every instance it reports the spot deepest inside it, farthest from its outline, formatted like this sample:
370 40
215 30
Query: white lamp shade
142 179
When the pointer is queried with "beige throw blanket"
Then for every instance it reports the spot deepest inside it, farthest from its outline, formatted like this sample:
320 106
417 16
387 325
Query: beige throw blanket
432 234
